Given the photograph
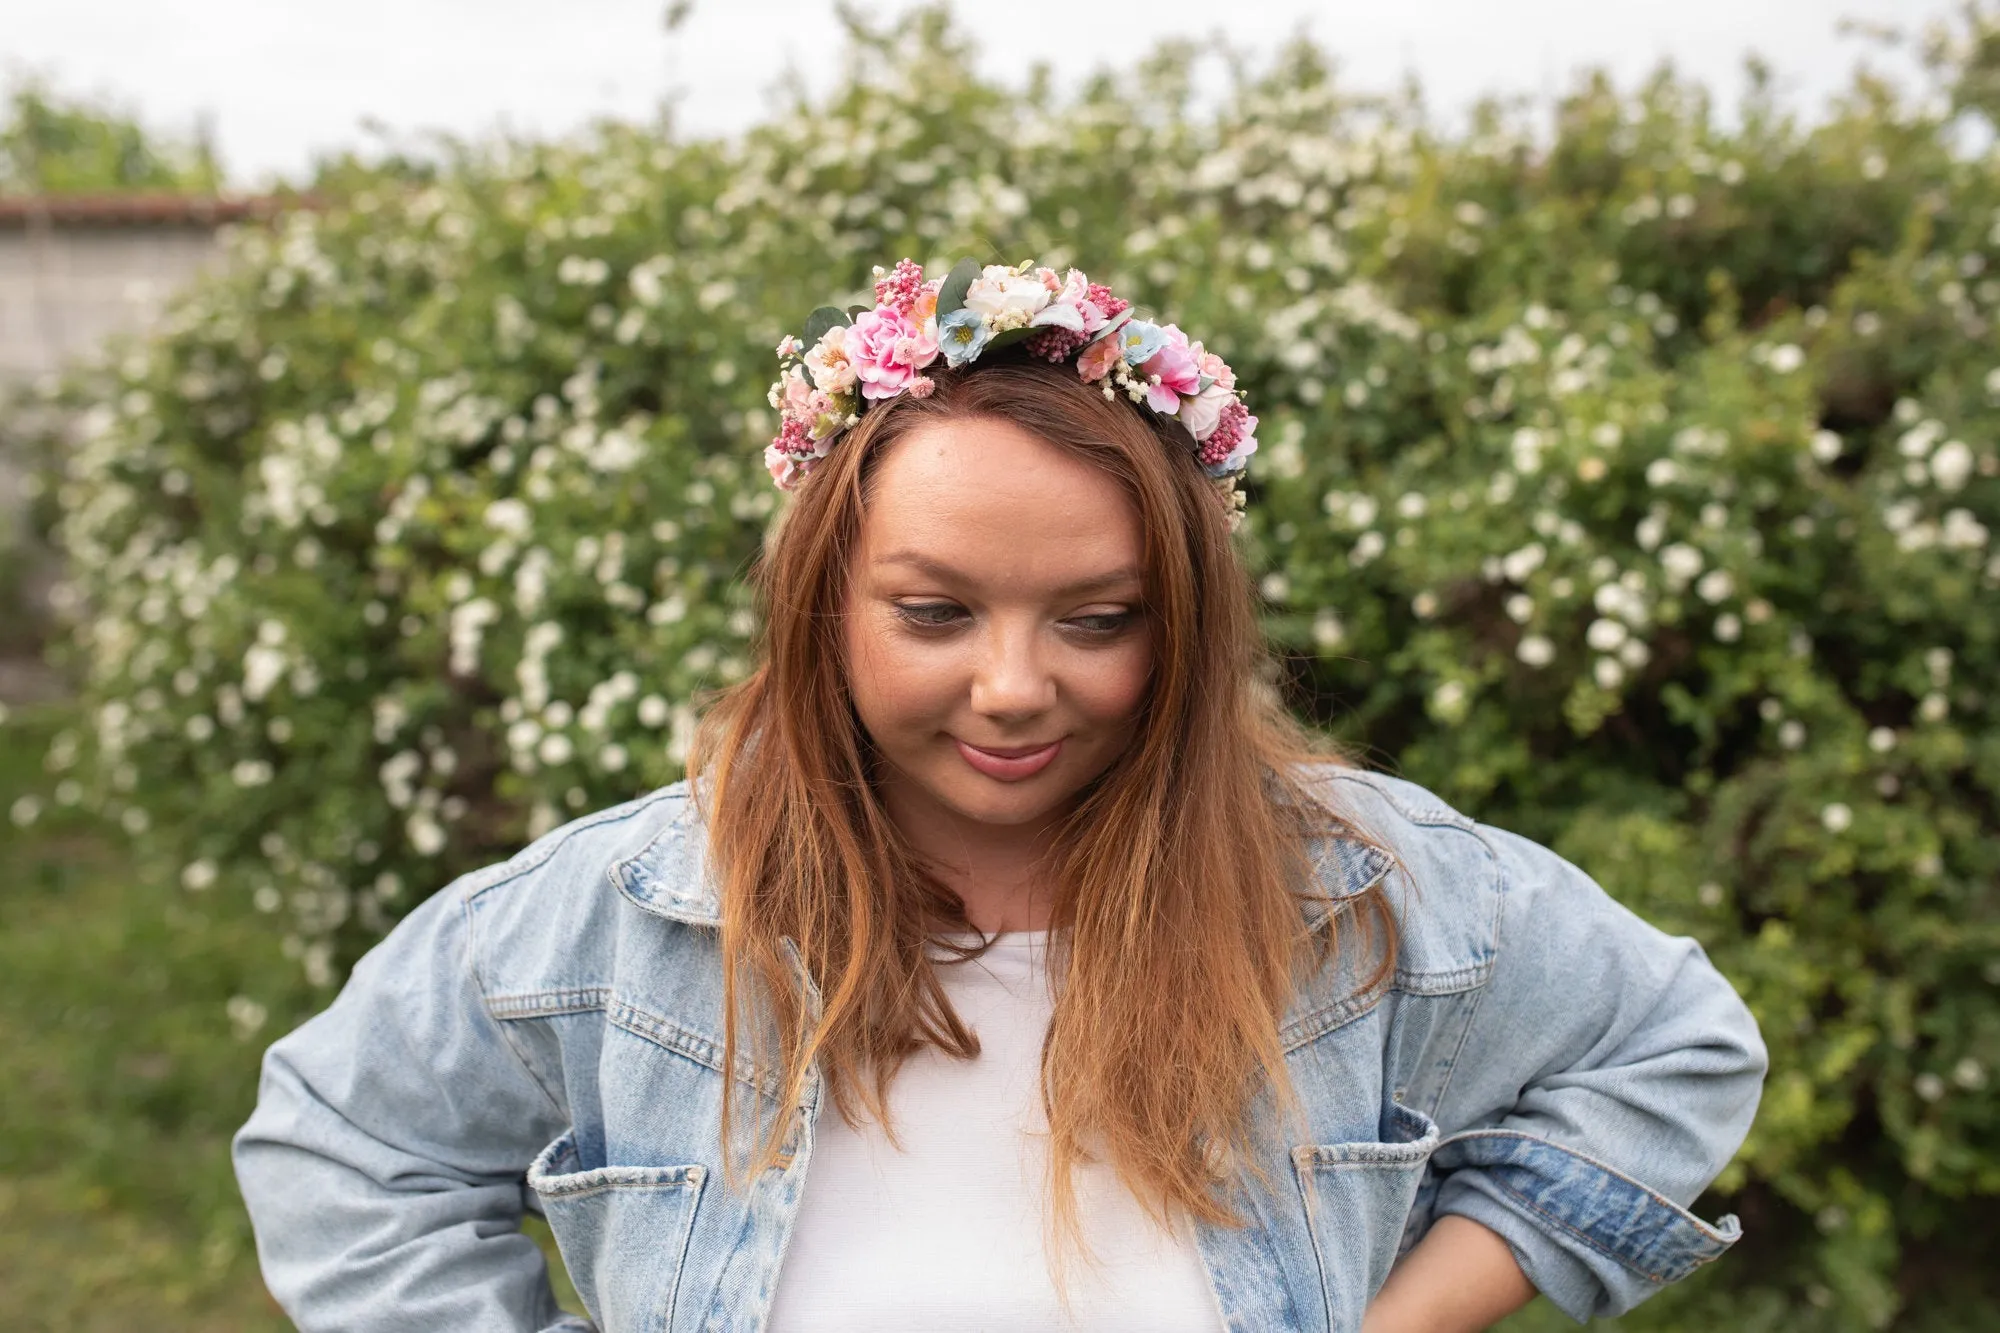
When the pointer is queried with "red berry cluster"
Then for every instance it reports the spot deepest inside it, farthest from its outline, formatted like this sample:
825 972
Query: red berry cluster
1056 344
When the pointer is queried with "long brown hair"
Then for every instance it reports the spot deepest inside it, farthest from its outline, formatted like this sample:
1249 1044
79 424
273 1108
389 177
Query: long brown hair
1177 879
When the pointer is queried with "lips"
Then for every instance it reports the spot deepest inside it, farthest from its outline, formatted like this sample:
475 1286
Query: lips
1010 763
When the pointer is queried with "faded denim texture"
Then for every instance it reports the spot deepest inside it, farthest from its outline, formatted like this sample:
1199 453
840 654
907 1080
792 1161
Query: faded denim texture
547 1033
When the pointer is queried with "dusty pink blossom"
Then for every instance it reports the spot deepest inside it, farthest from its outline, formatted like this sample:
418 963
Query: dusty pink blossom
1098 359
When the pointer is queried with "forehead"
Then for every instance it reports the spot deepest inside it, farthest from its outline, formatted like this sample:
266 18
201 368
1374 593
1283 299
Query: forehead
988 497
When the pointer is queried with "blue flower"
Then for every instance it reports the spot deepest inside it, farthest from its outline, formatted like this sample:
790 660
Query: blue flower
962 335
1139 340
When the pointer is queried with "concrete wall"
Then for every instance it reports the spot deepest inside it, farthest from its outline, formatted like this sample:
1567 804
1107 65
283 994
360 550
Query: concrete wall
64 286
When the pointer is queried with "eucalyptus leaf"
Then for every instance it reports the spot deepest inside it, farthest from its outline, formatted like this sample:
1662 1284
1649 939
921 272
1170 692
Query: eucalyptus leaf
951 296
822 319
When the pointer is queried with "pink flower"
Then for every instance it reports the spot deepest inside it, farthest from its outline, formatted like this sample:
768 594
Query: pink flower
799 396
1178 371
1232 441
1216 368
888 349
1098 359
1201 413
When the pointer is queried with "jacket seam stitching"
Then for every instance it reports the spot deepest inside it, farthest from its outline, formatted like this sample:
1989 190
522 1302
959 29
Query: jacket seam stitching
617 814
1485 983
471 964
1625 1261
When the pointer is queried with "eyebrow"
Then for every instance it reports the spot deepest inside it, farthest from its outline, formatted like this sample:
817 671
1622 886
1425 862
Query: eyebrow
923 564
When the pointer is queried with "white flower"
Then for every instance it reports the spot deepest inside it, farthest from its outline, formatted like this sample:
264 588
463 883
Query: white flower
1424 604
1003 296
1662 472
1933 708
1715 585
1608 672
250 773
1826 446
1520 608
1535 650
1836 817
1969 1074
1604 635
25 811
612 758
653 711
1634 653
1728 627
1679 563
1951 465
1367 548
1517 565
1786 358
1882 740
263 667
555 749
426 834
1275 587
1449 702
510 516
1928 1086
198 875
246 1016
1792 733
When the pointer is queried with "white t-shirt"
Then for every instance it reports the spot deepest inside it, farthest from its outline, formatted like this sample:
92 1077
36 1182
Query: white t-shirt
947 1233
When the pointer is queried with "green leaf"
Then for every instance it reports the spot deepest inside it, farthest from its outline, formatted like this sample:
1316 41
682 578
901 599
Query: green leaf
854 310
1007 338
822 319
951 296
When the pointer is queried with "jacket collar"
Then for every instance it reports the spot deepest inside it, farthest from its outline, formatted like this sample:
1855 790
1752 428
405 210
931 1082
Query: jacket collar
669 875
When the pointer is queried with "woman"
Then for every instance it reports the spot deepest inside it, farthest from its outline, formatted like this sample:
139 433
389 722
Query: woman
1013 961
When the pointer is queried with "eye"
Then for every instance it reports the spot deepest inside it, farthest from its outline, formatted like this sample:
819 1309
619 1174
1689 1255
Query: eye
929 615
1102 624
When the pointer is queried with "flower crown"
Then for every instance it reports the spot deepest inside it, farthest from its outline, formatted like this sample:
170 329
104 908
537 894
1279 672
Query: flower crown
849 360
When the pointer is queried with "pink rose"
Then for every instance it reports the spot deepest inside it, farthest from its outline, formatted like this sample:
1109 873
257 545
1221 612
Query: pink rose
1216 369
888 349
1179 373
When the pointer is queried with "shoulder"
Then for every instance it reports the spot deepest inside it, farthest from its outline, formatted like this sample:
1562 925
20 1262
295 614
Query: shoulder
551 915
1447 878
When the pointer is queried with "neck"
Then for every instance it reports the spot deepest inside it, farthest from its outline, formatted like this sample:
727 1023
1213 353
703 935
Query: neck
996 870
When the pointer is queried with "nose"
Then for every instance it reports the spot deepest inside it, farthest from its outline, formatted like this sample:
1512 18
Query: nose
1012 681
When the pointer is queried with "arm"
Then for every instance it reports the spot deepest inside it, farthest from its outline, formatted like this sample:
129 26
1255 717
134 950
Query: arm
1631 1073
383 1165
1460 1278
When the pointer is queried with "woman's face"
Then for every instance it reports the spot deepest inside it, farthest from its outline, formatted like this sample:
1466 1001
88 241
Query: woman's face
997 648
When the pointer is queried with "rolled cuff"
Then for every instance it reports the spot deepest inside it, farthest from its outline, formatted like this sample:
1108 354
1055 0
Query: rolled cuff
1593 1240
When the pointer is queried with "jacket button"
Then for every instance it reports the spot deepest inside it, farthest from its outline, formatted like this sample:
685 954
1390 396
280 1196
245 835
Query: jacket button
1217 1159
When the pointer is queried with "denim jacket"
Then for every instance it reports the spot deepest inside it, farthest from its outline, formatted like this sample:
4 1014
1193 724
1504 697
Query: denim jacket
547 1034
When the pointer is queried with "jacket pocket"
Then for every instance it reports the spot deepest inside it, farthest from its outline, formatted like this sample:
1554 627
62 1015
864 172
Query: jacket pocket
1358 1196
623 1232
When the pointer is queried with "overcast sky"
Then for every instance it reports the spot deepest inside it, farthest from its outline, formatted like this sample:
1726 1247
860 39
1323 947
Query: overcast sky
280 81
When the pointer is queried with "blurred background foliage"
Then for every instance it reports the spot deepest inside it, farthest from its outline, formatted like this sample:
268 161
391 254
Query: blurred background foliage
52 144
1629 480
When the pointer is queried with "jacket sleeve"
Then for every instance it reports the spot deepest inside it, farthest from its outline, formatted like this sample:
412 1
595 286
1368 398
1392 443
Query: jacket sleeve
383 1166
1632 1073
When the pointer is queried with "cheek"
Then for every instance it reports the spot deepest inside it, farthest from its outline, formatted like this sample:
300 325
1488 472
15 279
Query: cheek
1114 686
894 681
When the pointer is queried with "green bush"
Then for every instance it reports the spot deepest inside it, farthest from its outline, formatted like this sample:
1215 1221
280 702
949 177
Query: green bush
1629 482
